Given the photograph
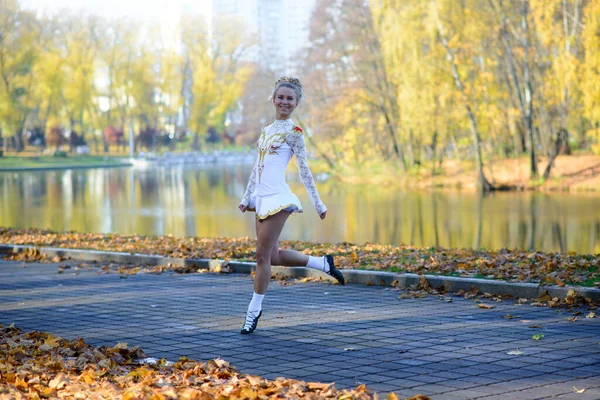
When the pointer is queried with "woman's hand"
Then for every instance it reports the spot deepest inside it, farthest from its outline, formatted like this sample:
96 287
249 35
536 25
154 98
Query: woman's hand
323 214
242 208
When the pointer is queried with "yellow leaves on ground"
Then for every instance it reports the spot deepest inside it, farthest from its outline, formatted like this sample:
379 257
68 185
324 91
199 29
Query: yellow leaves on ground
74 369
59 381
511 265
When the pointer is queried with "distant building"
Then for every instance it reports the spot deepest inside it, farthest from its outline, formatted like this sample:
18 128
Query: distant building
282 28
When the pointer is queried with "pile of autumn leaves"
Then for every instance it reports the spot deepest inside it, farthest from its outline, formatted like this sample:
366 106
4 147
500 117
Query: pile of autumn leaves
37 365
510 265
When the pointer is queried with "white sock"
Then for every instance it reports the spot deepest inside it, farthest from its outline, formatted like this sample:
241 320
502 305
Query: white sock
318 263
256 303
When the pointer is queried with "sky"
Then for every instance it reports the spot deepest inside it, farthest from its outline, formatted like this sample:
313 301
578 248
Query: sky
167 11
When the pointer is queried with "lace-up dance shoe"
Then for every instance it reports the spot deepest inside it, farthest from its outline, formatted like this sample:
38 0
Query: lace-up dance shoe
333 271
251 322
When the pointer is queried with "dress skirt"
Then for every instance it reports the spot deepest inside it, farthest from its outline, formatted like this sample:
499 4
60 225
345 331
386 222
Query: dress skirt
265 206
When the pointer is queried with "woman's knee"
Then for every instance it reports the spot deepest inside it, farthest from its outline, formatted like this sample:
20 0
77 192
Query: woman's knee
263 256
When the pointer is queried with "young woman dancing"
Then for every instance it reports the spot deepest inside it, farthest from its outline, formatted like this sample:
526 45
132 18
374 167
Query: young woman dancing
271 198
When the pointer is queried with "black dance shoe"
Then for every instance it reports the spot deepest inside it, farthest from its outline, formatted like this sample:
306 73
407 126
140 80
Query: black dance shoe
251 322
333 271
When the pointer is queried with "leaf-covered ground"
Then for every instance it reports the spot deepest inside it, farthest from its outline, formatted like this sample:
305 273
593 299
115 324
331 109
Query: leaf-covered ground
510 265
37 365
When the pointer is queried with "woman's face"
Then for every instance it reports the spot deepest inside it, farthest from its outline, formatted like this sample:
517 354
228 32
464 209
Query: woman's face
285 102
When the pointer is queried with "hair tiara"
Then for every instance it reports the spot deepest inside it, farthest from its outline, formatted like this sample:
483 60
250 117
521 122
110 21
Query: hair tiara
293 81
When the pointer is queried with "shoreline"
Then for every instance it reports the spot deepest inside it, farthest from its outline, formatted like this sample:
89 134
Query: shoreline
571 174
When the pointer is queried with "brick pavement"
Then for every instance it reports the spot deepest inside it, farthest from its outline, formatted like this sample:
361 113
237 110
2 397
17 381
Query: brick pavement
317 331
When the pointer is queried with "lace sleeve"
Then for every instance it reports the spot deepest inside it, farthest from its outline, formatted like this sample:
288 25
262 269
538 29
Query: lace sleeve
296 141
251 185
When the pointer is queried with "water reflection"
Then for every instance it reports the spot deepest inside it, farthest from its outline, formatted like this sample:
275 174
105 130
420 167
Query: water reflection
203 202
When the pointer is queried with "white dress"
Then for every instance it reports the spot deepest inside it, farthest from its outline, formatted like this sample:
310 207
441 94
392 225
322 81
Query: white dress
267 192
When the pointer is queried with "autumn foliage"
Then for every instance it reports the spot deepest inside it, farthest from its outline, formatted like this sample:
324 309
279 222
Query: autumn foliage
511 265
113 136
38 365
55 136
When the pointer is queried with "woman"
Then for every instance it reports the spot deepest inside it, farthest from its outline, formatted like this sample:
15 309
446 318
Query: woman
271 198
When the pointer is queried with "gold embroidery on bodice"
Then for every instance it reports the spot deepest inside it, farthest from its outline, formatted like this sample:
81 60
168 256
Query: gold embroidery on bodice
268 143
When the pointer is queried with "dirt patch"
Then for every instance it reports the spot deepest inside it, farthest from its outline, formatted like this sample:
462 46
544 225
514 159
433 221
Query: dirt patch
575 172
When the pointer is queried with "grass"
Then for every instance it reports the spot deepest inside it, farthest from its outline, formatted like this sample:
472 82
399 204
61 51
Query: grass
49 162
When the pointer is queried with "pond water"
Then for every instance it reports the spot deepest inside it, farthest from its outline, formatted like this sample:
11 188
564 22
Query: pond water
202 201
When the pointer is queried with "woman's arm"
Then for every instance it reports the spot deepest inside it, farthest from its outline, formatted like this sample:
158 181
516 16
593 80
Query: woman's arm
296 141
250 188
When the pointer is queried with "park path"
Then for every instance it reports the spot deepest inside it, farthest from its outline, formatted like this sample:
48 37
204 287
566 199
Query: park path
318 332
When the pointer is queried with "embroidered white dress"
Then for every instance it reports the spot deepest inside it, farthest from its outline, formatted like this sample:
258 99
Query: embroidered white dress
267 192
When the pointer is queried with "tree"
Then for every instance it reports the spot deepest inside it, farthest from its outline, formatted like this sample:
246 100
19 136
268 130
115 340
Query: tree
218 72
82 41
352 100
482 182
590 68
49 72
18 51
55 136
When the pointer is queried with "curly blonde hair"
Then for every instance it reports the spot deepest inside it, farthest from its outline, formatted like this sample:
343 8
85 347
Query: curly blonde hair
289 82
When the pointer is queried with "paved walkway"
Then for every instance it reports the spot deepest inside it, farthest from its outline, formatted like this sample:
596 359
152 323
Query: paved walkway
318 332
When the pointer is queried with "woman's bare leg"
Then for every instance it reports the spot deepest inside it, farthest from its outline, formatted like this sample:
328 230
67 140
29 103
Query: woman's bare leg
292 258
288 258
267 233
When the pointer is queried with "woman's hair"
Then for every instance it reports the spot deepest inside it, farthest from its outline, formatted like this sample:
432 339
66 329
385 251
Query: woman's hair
292 83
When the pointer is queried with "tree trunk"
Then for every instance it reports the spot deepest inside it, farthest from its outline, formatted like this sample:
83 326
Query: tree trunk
392 133
525 97
528 90
561 138
482 183
385 89
457 154
411 149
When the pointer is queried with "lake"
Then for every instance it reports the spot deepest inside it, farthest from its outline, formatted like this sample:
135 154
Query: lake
202 201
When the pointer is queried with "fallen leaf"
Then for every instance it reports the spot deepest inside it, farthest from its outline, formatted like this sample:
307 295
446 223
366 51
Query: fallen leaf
578 390
60 381
320 386
544 296
591 315
516 352
538 336
483 305
512 265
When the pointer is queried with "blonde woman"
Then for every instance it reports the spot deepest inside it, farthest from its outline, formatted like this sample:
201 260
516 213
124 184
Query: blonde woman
271 198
